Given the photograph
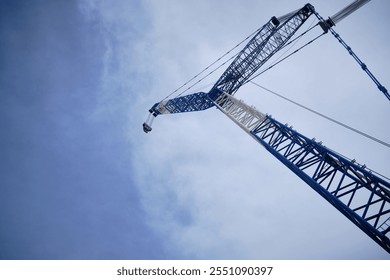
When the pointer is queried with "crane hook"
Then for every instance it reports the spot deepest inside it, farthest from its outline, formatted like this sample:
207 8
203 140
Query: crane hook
147 126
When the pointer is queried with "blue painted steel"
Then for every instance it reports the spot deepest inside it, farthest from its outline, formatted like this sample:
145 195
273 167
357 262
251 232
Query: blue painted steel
327 26
267 41
189 103
356 192
264 44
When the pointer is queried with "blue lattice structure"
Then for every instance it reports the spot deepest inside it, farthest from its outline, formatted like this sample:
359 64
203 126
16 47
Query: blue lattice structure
264 44
359 194
356 191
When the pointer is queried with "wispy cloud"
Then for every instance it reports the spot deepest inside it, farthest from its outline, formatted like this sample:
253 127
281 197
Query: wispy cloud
206 186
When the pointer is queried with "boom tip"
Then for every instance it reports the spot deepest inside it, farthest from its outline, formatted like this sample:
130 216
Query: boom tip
146 127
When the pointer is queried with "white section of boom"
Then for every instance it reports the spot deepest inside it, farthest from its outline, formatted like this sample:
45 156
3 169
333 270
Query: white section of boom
245 116
162 109
337 17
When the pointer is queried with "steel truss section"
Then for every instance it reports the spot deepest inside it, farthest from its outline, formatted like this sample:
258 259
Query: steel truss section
247 117
267 41
189 103
355 191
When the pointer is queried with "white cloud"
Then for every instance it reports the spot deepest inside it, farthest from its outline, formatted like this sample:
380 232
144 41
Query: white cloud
205 184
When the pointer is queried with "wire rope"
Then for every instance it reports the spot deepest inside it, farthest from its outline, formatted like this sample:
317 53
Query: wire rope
284 58
294 41
324 116
220 58
208 67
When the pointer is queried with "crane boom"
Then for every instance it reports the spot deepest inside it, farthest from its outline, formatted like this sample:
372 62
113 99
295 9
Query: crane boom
270 39
264 44
354 190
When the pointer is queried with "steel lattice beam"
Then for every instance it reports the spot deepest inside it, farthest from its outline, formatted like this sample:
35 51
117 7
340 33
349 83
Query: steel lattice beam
355 191
188 103
267 41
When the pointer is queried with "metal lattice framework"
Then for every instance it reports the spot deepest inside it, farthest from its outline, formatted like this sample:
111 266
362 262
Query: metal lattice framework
267 41
354 190
189 103
363 197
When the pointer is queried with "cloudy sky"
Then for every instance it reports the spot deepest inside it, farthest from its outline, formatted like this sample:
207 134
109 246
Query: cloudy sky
80 180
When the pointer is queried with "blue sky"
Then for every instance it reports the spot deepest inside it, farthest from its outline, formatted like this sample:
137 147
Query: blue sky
66 183
80 180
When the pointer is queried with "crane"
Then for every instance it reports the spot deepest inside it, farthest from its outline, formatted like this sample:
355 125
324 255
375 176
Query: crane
360 194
